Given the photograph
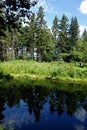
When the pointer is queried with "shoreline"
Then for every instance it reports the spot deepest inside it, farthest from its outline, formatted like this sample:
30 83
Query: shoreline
26 80
32 71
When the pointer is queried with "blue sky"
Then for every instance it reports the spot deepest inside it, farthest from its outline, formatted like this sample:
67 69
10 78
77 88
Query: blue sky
70 8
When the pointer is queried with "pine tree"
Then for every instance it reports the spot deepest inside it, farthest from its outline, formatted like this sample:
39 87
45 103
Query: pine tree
74 32
40 18
2 33
84 35
47 46
55 28
38 39
41 24
31 36
55 31
63 34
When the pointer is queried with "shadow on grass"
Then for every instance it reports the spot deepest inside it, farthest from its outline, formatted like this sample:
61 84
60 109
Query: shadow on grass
5 76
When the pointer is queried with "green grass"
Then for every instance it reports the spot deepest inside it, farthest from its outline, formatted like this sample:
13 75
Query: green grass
57 71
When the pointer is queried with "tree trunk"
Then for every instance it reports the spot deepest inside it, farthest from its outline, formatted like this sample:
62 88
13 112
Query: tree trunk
13 44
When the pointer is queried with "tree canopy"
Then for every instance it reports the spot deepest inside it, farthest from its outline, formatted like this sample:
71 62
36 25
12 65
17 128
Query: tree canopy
36 40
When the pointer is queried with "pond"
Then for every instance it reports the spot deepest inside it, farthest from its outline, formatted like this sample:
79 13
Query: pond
42 108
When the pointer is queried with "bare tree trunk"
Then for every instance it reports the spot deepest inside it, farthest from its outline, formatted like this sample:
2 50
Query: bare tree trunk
13 44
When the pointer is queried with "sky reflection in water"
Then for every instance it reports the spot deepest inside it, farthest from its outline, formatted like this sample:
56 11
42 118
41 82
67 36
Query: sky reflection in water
43 109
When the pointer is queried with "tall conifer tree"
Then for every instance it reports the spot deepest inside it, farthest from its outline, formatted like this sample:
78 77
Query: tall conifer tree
55 31
63 34
74 31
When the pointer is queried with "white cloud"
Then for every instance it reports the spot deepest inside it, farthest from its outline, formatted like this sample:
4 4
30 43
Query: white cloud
81 28
48 7
83 7
79 127
80 114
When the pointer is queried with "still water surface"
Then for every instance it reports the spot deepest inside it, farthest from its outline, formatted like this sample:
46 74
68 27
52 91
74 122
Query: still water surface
42 108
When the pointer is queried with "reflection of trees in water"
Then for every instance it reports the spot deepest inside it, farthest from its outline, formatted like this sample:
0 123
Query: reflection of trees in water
1 109
36 97
2 102
13 96
65 101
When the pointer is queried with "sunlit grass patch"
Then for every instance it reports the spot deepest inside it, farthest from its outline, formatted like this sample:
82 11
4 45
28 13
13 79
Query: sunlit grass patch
43 70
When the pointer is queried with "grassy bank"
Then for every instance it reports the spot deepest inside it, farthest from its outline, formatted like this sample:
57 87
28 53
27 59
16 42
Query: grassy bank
57 71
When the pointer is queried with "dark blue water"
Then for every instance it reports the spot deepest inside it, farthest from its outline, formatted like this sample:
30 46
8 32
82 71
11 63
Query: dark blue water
43 109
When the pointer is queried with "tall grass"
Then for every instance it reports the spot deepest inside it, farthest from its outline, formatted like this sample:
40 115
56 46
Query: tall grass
52 70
